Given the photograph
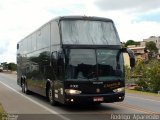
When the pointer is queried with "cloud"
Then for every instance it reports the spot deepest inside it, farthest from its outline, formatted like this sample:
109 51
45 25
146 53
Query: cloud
2 50
19 18
134 19
138 31
3 46
128 5
151 16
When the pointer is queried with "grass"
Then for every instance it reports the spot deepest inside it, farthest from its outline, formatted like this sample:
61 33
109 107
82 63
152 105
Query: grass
142 93
1 112
1 109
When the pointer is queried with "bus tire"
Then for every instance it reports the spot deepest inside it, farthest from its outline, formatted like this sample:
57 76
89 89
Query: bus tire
51 97
25 88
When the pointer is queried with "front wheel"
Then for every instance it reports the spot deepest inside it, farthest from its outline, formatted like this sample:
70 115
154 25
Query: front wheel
51 97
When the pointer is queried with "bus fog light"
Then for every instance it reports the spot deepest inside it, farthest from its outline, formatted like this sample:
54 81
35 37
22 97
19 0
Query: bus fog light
72 91
122 89
72 100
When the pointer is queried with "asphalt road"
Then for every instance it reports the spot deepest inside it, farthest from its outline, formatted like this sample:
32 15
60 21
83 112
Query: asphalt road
35 107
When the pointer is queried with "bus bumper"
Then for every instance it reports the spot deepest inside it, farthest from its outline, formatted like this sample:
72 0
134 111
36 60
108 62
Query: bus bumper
94 98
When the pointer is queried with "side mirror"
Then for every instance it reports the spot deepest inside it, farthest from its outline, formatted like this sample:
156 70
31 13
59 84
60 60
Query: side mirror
132 62
17 46
131 56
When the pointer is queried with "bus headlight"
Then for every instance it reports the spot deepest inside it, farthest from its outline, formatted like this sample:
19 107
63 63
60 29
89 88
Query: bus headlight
122 89
72 91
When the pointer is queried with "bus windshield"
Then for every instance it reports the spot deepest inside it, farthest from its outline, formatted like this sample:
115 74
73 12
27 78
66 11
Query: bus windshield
93 64
89 32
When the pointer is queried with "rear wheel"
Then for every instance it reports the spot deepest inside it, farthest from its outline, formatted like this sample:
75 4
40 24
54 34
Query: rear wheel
25 88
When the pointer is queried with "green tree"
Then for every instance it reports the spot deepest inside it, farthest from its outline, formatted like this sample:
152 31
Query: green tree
151 46
130 42
139 72
12 66
146 75
139 68
150 79
152 74
127 74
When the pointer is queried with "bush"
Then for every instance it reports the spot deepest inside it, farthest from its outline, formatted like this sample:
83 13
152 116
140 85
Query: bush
150 75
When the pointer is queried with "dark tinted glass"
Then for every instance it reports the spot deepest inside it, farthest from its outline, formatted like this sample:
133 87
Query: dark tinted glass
82 64
109 64
85 64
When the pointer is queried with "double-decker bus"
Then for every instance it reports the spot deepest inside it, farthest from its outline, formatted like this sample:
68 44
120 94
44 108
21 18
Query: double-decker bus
73 59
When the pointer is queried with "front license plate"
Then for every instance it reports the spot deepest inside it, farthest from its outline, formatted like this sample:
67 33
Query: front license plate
98 99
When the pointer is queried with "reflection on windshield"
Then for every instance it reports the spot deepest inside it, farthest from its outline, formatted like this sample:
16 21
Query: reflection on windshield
108 64
93 64
82 63
89 32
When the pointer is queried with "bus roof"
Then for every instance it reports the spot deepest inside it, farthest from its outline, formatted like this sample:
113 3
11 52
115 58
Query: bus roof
83 18
76 17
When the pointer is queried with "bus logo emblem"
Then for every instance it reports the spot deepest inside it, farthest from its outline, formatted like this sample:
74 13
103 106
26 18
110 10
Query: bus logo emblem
98 90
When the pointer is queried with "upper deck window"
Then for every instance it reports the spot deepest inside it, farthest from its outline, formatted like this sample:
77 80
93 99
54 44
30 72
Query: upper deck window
87 32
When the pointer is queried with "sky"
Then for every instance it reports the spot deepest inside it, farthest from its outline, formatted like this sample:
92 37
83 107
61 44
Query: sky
134 19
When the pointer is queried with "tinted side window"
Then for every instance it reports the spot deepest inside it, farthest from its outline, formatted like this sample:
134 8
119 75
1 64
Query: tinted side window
55 36
25 45
34 42
29 43
39 39
45 36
